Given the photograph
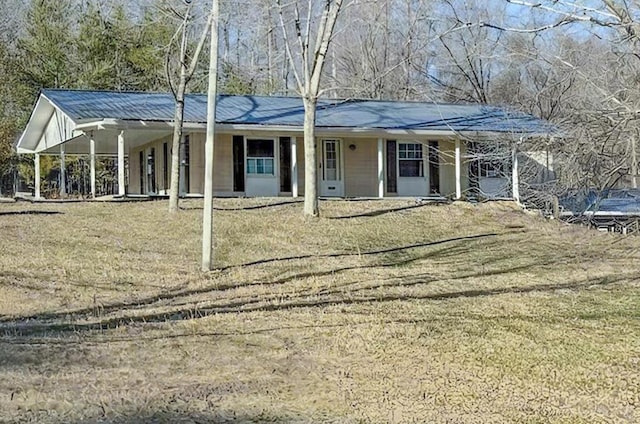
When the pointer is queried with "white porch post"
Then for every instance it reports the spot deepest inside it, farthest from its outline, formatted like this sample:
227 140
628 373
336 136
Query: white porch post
92 165
515 183
63 173
380 168
36 182
294 167
458 171
121 180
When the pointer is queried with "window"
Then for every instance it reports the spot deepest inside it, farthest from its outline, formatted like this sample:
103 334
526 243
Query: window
492 169
260 157
331 160
410 161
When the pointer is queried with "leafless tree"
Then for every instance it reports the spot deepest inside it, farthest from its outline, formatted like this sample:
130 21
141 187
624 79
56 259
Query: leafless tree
307 59
187 63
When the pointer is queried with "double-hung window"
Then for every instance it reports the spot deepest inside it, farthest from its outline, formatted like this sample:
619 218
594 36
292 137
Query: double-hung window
410 160
260 157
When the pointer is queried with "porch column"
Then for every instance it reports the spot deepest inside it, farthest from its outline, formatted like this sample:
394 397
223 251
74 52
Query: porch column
294 167
458 166
63 173
92 165
36 181
380 168
515 181
121 181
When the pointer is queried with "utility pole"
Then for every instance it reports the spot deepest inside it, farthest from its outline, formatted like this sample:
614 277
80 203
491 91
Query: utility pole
207 216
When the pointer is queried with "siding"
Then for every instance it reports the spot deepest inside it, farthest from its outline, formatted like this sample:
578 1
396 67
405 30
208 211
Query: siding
361 167
448 168
222 164
134 171
196 163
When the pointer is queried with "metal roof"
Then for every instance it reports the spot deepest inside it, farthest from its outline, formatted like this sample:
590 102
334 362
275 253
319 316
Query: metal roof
82 105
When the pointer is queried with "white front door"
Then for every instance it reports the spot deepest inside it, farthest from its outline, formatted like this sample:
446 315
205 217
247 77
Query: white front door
331 182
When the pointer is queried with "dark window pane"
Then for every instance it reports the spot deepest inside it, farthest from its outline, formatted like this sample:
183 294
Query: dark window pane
410 168
260 148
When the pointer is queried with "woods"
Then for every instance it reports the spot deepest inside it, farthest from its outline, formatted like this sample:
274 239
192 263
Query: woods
572 65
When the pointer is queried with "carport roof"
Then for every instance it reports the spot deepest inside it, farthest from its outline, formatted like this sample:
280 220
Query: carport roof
83 105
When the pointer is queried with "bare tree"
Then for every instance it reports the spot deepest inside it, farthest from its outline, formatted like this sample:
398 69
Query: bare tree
604 107
307 60
187 67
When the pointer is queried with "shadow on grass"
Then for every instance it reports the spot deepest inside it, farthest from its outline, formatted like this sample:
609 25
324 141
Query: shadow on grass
31 213
244 208
365 253
101 309
278 303
178 306
379 212
168 412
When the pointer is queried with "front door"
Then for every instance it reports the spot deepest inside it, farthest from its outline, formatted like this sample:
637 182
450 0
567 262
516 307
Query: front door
331 183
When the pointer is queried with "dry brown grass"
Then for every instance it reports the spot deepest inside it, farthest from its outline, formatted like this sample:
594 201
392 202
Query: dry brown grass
376 312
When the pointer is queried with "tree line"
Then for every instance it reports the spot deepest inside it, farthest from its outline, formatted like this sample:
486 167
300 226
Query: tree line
558 60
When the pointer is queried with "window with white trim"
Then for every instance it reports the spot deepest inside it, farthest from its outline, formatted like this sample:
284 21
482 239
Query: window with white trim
260 157
410 160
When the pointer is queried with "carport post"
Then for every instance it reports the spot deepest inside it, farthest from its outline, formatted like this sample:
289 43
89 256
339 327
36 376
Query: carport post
121 182
63 173
515 180
458 166
36 182
294 167
92 161
380 168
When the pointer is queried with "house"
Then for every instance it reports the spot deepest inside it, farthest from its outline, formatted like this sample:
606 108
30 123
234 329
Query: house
366 148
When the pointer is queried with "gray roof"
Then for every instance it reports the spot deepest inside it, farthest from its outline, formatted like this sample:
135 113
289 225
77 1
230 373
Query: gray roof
289 111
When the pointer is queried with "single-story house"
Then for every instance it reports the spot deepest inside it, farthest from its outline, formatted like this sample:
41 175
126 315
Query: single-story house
366 148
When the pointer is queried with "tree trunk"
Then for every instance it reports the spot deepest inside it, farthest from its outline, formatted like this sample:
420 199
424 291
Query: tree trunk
175 147
311 207
186 72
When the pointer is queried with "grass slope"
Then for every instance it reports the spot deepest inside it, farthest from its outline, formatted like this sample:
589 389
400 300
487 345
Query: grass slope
377 312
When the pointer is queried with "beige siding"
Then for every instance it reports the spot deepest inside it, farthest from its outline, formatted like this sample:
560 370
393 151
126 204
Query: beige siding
134 171
196 163
448 169
223 164
361 167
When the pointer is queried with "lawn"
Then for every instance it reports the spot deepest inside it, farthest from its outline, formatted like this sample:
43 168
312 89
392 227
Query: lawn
377 312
